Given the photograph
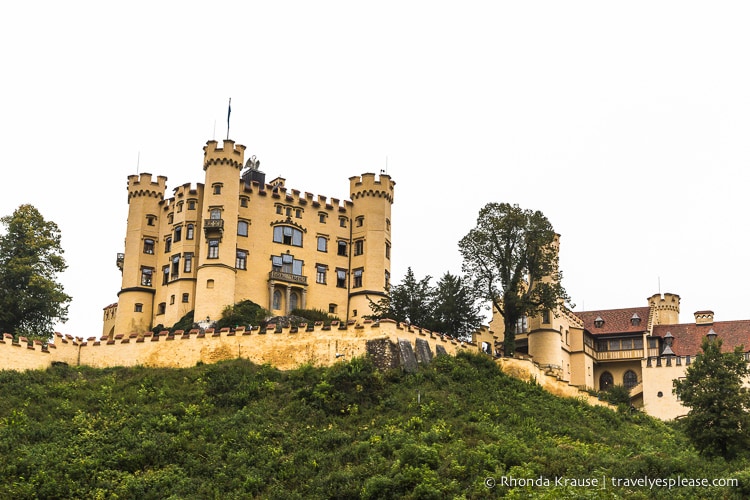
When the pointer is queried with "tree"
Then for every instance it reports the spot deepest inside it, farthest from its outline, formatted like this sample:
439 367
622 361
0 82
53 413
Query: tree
511 257
411 300
718 421
455 309
31 300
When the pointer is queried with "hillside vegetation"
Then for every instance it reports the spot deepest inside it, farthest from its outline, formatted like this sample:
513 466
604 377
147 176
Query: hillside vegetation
456 429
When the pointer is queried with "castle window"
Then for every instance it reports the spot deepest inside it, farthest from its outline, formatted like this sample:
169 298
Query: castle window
209 283
175 267
287 235
190 232
354 312
165 275
342 248
217 188
598 322
276 300
320 274
298 213
150 220
148 246
332 308
322 244
322 217
522 325
242 228
243 201
342 221
606 381
191 204
358 278
185 298
288 211
635 320
241 261
161 308
215 213
387 250
279 209
179 207
168 244
653 342
286 263
146 275
360 220
213 249
340 278
630 379
177 233
388 224
359 247
170 218
387 280
293 301
171 300
139 308
545 316
188 257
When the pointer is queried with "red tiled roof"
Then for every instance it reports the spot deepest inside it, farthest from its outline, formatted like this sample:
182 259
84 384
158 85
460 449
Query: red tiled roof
688 337
615 320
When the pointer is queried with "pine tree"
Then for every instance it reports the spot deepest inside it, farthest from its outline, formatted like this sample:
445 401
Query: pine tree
455 309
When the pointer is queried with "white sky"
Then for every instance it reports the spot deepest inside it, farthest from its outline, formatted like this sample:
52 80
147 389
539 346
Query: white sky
626 123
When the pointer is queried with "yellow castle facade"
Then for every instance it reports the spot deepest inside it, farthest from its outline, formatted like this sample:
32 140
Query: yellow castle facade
235 237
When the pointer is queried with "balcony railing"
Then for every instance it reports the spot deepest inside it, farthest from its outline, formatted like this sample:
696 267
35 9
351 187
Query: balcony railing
288 277
614 355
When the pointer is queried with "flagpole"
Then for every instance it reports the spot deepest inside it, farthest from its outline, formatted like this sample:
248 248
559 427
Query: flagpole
229 113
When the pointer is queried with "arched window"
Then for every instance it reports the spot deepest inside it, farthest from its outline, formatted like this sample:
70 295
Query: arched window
277 300
606 381
292 301
630 379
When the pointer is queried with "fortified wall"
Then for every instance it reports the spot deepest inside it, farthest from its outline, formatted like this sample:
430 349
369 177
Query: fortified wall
391 344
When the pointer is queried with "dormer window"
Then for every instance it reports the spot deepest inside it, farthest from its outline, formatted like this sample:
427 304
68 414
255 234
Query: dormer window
598 322
635 320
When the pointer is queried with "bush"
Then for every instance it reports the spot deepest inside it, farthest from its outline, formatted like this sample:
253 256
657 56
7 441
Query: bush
243 313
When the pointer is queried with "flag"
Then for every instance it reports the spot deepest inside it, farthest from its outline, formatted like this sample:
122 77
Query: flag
229 111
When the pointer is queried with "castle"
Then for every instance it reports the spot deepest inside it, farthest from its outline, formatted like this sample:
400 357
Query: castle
236 237
642 348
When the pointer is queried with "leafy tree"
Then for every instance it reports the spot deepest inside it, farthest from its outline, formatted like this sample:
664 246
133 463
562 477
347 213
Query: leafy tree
245 312
455 307
718 421
511 257
411 300
31 299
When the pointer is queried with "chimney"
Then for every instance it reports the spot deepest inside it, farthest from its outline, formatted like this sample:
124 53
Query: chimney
704 317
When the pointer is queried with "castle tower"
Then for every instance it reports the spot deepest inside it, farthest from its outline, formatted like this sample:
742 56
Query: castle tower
665 309
370 265
139 261
216 274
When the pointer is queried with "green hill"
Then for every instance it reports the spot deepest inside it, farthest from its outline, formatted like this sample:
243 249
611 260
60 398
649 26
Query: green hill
238 430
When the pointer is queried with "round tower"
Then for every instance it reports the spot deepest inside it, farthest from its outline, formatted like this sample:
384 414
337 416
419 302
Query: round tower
138 263
666 308
216 273
370 267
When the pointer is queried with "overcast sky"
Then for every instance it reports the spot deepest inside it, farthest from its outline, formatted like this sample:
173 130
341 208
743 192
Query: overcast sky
626 123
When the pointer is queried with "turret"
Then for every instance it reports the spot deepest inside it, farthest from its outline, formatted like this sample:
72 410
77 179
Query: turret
666 308
370 266
216 273
138 263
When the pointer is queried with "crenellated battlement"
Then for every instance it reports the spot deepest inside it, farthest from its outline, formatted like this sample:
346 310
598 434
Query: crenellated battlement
368 185
230 154
297 197
283 347
143 185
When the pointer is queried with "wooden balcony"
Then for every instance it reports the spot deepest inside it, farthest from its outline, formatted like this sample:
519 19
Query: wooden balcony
619 355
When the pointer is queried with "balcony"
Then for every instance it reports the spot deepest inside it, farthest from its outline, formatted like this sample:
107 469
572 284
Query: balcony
619 355
288 277
213 227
